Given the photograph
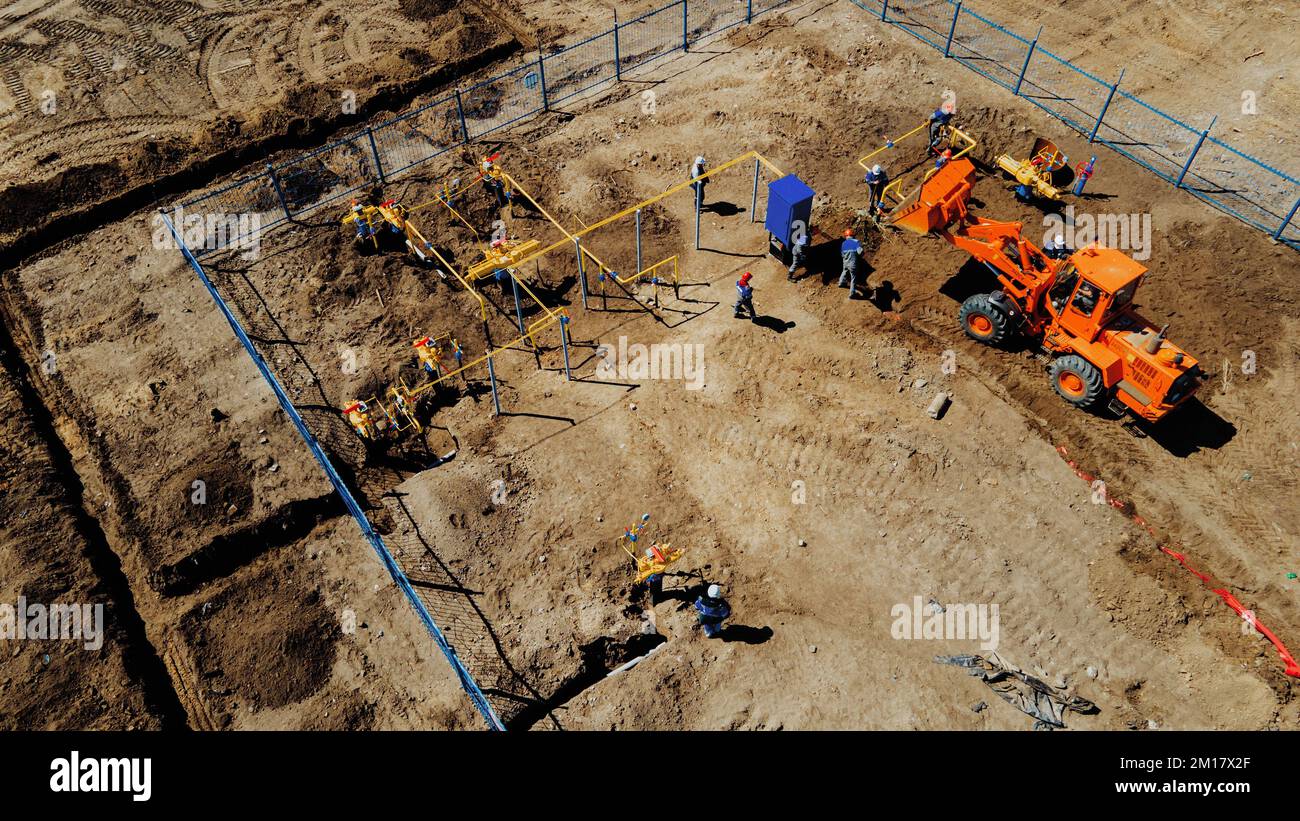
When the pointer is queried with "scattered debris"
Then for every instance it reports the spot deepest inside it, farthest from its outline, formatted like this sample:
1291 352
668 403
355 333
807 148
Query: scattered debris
1046 703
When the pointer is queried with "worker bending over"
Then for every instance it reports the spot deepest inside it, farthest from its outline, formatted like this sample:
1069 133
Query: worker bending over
1056 248
876 180
712 611
939 122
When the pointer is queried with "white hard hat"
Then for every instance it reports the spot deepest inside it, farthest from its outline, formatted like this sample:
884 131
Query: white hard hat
1060 239
649 553
875 169
714 591
699 160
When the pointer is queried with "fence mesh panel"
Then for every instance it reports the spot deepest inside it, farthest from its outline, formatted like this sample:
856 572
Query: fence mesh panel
229 216
989 49
1146 136
418 136
499 102
705 17
1074 96
651 36
580 67
927 19
1242 185
327 174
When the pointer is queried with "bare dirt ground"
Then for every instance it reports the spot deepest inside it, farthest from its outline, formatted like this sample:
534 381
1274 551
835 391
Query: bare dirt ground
267 609
1194 59
100 97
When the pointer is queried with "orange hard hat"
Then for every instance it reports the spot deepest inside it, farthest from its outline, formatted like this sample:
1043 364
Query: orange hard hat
746 277
848 232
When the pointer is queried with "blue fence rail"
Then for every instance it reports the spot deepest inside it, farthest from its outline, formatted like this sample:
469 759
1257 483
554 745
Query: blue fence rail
1184 155
290 189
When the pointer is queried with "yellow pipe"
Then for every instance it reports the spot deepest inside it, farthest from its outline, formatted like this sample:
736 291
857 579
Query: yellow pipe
626 212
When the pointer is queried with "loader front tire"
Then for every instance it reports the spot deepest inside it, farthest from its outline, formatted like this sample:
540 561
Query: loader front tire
1077 380
983 321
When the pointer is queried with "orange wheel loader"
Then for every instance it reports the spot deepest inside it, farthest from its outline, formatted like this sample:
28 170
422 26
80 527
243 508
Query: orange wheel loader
1080 309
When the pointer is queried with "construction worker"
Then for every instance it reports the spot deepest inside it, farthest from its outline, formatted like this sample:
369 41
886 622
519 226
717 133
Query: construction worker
745 296
876 180
1056 248
712 611
851 253
939 122
495 185
697 169
655 581
798 253
943 159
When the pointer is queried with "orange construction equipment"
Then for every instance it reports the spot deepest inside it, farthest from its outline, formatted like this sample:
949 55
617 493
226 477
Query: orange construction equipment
1080 308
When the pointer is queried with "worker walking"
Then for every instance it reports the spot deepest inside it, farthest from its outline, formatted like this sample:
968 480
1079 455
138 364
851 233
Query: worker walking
798 253
745 296
851 253
939 122
697 170
712 611
876 180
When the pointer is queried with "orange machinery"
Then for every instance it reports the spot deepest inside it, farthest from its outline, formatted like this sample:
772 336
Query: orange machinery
1081 308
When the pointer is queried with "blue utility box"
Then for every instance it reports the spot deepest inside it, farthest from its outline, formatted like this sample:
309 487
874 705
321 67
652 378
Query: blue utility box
789 206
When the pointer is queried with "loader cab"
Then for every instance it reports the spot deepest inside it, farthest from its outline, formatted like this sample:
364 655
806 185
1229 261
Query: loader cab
1091 287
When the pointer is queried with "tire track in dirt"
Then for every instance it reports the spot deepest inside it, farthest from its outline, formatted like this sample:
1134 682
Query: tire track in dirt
1126 467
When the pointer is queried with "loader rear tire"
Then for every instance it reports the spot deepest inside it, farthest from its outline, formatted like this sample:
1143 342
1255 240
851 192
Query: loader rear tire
983 321
1077 380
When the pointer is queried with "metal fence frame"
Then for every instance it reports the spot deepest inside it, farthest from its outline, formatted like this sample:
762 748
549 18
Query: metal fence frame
1241 185
376 155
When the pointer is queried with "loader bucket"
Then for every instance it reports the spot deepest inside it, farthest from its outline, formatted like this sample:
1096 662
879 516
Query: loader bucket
941 200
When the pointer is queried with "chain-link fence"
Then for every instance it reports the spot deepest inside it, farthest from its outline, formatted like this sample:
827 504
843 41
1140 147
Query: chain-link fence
1100 109
380 153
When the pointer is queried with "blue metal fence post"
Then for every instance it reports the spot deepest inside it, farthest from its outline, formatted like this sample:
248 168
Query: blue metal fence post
519 311
1029 55
363 522
492 379
1201 141
753 200
639 266
884 11
749 12
1277 235
279 192
1093 136
582 270
686 43
460 109
564 343
541 74
374 148
699 206
618 61
956 12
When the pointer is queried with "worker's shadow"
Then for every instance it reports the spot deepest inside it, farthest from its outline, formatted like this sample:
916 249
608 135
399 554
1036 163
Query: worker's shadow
723 208
885 296
746 634
773 324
